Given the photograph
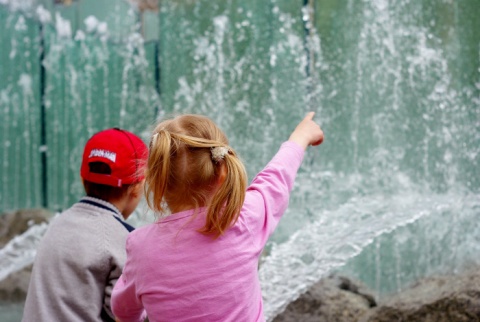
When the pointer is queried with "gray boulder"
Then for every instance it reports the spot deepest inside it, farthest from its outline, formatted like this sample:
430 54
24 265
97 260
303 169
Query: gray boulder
15 286
435 299
16 223
332 299
445 298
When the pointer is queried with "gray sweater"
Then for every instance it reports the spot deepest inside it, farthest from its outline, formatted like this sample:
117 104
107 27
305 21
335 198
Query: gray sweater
77 264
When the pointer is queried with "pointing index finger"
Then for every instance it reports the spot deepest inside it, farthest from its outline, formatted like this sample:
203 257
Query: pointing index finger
309 116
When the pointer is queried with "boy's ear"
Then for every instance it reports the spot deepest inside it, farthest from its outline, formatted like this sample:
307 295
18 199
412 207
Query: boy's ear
139 188
136 189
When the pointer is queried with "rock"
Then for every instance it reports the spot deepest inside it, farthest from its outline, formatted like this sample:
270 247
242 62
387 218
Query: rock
333 299
14 288
435 299
16 223
446 298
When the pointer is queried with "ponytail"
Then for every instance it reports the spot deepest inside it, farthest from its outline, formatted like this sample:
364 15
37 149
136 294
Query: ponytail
156 174
225 206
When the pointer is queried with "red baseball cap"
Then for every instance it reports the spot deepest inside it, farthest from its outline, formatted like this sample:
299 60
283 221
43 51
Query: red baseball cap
123 151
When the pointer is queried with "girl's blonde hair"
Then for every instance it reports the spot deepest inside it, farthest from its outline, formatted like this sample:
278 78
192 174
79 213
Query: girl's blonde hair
182 173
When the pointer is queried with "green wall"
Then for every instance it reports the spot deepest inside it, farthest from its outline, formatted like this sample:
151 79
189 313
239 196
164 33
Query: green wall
395 89
20 113
55 93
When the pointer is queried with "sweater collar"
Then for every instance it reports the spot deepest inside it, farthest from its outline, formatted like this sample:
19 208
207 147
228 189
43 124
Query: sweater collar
102 204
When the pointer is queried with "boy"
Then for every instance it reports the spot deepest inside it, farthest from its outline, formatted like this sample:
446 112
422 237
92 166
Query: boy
83 253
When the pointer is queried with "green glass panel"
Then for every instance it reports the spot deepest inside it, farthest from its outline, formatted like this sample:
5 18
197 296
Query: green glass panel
20 161
92 84
119 18
150 23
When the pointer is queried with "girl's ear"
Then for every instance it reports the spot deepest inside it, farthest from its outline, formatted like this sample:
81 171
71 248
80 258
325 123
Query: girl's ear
223 174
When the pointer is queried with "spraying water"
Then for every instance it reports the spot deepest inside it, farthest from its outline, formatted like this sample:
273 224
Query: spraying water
20 251
393 193
398 154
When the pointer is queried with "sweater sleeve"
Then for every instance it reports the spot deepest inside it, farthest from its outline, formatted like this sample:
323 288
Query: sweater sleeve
268 195
112 280
126 304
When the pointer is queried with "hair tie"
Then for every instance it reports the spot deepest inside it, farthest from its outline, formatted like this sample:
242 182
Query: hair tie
218 153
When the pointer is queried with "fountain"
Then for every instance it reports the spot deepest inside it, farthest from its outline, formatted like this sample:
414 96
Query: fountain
393 193
398 108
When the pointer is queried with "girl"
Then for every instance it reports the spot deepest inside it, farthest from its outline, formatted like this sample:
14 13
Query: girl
200 262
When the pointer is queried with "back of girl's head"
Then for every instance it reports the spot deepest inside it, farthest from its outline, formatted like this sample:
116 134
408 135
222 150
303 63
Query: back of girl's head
187 154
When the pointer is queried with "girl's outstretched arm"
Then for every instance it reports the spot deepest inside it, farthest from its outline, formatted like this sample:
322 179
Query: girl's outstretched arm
268 195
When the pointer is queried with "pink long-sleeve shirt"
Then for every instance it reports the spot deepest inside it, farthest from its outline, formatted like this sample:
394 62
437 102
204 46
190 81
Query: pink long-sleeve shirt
177 274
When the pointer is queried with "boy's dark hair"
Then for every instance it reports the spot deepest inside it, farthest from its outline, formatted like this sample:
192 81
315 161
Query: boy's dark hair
102 191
